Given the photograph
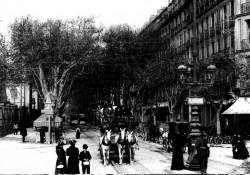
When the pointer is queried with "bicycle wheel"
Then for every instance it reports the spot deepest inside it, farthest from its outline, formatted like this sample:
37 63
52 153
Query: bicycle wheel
219 140
160 140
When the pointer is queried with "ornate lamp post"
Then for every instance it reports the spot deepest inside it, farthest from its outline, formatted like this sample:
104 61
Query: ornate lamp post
49 111
194 100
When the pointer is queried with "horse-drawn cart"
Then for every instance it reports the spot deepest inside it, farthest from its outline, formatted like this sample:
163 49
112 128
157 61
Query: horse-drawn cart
116 139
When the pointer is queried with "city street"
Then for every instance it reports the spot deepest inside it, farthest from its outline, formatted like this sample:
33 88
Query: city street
30 157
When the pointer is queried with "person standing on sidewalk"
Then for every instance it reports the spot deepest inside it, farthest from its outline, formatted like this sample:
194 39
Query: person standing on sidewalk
61 159
23 131
241 150
73 161
177 158
78 132
85 158
203 152
234 144
15 128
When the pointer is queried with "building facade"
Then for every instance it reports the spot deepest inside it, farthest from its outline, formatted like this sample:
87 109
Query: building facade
222 27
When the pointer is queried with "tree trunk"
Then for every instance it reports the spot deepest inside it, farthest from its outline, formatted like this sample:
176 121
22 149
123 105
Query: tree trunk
171 115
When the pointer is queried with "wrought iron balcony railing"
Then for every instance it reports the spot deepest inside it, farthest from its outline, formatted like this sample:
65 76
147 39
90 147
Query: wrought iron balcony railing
212 31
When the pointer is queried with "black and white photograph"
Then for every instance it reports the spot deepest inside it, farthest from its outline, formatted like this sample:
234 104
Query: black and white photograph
124 86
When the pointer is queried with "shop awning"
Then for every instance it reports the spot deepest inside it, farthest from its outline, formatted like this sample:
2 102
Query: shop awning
43 120
241 106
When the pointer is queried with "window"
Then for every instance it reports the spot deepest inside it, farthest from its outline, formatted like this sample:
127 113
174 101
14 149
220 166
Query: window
202 53
213 50
207 50
225 43
219 45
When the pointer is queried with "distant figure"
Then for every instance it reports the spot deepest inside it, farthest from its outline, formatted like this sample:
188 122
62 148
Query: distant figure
61 159
234 143
42 135
73 160
241 151
85 157
78 132
203 152
23 132
177 158
15 128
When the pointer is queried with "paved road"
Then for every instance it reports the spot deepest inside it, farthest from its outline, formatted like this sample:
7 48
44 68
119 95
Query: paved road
34 158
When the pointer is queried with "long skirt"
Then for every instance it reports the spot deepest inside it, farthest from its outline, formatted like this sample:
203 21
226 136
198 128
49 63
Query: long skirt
177 160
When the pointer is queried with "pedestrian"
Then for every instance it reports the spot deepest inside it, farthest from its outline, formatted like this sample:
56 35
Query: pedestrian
15 128
241 150
78 132
85 157
234 143
73 160
23 132
177 158
202 148
165 140
42 135
61 159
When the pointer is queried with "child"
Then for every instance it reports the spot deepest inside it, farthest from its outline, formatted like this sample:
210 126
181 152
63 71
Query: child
85 158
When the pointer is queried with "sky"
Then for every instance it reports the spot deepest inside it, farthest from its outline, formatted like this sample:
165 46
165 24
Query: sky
106 12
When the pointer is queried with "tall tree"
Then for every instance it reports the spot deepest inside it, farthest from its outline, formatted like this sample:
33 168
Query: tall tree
54 52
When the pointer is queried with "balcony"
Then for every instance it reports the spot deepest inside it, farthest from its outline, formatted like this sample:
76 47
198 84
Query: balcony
231 22
245 8
212 31
218 29
245 45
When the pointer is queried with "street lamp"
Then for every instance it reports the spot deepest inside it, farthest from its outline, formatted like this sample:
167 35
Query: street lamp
194 100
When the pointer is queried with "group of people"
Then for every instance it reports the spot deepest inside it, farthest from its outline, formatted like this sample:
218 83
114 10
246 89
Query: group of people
23 130
239 147
72 166
201 147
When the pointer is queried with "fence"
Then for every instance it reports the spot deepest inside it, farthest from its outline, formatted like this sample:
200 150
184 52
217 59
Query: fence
10 114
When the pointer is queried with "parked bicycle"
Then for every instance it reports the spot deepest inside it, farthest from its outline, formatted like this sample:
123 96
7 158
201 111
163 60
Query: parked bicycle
220 139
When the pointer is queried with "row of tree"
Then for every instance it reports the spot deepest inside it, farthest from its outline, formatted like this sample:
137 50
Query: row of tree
76 59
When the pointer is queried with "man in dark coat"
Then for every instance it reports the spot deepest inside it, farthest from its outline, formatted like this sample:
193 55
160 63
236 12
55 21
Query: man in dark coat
61 159
73 160
202 152
85 158
177 158
23 132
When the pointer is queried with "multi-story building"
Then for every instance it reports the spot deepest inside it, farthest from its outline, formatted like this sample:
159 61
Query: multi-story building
222 26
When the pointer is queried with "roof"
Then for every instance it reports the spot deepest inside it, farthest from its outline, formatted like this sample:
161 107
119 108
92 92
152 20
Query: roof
241 106
43 120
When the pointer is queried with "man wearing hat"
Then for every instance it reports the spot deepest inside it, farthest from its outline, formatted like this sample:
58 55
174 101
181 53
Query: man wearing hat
85 158
203 151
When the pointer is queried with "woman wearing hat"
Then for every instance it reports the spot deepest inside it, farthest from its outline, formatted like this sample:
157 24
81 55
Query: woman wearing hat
73 161
85 158
61 159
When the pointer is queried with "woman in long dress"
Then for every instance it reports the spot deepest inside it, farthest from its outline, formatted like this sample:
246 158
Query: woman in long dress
73 161
177 158
241 150
61 159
